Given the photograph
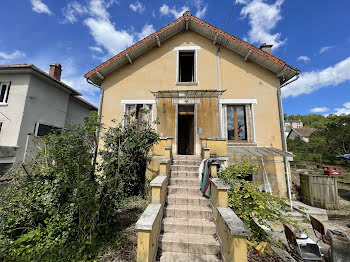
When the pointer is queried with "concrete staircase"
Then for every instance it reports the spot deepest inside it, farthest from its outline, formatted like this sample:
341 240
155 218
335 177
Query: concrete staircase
189 231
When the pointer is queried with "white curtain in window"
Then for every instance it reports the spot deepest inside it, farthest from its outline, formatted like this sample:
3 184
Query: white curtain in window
224 121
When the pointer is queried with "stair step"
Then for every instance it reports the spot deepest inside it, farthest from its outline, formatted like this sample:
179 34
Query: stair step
184 181
179 199
184 190
188 225
189 243
187 211
186 157
187 257
189 174
187 162
183 168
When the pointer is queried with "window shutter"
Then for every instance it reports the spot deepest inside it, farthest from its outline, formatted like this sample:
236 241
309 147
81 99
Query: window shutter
249 123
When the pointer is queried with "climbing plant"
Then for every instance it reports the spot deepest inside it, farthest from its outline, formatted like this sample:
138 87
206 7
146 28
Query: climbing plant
254 207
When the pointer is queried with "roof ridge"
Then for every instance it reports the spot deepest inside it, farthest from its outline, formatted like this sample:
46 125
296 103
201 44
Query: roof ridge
187 16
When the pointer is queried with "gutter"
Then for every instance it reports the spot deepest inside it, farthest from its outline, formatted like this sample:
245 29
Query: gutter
284 142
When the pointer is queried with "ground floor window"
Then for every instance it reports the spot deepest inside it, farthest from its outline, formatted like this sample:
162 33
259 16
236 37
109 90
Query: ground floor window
43 130
139 113
236 122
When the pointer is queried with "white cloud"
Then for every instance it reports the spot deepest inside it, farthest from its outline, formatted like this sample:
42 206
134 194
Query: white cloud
344 110
314 80
201 8
165 10
96 49
319 109
105 34
7 57
137 7
39 7
72 11
146 31
325 48
104 31
263 18
303 58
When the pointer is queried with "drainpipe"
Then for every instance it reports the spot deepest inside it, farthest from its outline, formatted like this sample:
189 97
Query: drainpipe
218 88
284 143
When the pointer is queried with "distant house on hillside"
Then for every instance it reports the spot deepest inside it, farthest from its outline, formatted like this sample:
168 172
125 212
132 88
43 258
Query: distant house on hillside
293 124
34 102
303 133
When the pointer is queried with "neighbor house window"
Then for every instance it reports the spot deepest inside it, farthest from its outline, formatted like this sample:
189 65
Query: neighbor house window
44 130
1 124
4 92
236 123
186 66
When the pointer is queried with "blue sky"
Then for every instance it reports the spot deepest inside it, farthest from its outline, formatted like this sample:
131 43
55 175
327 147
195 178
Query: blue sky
312 35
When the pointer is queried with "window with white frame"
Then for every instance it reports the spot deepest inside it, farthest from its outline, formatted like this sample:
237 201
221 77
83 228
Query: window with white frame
237 121
1 124
44 130
4 92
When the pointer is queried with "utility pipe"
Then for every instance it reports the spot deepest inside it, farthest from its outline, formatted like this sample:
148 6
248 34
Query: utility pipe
284 143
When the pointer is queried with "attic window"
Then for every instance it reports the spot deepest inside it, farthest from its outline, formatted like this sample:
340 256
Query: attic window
186 68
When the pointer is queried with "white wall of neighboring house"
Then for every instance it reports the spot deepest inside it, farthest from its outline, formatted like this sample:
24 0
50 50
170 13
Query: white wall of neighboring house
46 104
11 114
76 112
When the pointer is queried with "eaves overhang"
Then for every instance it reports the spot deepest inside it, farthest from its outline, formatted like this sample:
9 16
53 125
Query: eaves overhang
283 71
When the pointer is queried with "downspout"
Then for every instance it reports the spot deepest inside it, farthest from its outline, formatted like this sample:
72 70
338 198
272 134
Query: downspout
218 88
284 143
99 117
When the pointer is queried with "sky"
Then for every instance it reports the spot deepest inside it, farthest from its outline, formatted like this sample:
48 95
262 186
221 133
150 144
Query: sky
311 35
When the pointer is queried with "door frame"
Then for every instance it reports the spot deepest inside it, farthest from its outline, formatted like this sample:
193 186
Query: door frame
196 144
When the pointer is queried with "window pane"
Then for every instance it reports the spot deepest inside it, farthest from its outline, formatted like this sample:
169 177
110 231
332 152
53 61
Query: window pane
2 93
0 126
230 123
241 123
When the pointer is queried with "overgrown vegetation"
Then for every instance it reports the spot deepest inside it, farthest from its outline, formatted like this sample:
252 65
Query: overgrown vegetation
250 204
67 206
331 139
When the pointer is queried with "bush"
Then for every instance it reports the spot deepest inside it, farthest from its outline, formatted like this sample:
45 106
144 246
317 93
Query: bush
61 210
251 205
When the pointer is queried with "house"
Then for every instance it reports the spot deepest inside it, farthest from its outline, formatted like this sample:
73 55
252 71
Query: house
293 124
34 102
211 92
303 133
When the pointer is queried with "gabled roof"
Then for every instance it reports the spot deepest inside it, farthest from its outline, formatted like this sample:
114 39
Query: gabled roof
304 132
189 22
30 68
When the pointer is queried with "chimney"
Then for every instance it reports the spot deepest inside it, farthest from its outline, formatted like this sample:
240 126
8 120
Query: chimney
56 70
266 48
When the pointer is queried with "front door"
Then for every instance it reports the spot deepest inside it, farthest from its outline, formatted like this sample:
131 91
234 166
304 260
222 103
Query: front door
185 130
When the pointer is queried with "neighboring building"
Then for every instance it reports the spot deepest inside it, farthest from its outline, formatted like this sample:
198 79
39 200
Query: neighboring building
32 101
293 124
203 85
302 133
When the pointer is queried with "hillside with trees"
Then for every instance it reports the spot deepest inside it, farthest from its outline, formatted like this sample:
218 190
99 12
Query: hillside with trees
331 139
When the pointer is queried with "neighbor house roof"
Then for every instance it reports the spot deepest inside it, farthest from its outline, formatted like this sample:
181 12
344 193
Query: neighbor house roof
30 68
293 121
304 132
284 71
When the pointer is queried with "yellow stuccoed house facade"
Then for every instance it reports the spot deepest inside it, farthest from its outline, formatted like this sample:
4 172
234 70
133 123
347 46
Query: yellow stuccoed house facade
213 94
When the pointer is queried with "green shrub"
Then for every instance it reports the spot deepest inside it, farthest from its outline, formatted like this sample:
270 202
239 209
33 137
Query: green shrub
62 210
251 205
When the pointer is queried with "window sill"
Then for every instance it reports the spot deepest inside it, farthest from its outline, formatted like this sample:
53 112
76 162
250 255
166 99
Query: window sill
3 104
186 83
